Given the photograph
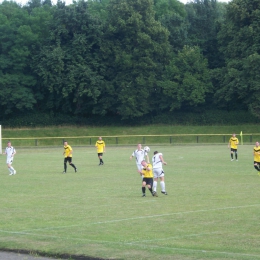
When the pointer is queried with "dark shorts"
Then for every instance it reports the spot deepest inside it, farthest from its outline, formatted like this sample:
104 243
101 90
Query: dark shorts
67 159
233 150
100 154
148 181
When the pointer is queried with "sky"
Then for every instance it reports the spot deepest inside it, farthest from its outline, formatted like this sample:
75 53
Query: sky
70 1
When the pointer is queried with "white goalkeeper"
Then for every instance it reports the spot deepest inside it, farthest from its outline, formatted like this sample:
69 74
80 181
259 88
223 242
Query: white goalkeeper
158 172
10 152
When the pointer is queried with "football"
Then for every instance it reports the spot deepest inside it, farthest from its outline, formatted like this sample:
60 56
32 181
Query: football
147 149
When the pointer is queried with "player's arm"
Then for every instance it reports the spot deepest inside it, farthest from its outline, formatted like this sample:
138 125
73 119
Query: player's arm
14 152
147 158
140 172
104 148
162 160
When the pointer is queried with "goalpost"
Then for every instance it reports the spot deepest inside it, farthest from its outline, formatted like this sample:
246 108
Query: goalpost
0 139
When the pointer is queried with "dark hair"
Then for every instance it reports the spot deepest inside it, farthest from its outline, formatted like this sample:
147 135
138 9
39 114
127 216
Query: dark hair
155 152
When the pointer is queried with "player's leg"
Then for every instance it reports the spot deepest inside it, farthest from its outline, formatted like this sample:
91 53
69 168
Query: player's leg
155 184
72 165
231 154
143 187
162 183
10 168
256 166
100 158
236 155
65 165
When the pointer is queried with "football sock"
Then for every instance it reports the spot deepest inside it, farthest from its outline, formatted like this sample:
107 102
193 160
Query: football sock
151 190
232 156
65 167
162 185
12 169
72 165
9 169
154 185
257 168
236 155
143 190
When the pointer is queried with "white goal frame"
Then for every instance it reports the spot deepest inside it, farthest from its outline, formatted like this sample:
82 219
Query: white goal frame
0 139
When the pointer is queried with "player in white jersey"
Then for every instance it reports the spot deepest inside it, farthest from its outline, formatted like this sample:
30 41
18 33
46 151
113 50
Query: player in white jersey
10 152
158 172
139 155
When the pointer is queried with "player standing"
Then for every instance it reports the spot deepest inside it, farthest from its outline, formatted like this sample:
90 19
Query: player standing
101 148
139 155
158 172
10 152
147 174
68 157
256 154
232 144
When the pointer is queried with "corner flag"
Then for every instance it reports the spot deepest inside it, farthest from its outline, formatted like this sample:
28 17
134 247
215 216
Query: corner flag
241 136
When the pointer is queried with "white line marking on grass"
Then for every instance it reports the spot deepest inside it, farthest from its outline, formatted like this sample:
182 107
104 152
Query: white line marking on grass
136 245
144 217
174 237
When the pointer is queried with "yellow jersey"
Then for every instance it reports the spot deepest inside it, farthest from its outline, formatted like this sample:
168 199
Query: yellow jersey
100 144
148 173
233 141
67 151
257 154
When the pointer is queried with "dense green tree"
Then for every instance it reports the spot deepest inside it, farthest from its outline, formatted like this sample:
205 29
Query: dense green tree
19 39
203 17
69 65
135 48
240 46
172 15
186 81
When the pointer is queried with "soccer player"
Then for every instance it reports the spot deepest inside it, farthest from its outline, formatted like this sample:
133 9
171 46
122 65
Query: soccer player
232 144
68 157
147 173
158 172
10 152
139 155
101 148
256 154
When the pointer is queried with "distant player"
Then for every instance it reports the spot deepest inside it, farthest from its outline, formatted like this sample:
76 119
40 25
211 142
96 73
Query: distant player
101 148
139 155
232 144
10 152
147 173
256 153
68 157
158 172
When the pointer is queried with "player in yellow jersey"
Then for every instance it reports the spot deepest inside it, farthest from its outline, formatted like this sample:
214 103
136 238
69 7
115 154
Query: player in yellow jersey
101 148
147 173
232 144
68 157
256 154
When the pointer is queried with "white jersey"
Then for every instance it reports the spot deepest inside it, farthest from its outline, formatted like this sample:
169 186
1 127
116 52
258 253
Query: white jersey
9 154
157 163
9 151
139 155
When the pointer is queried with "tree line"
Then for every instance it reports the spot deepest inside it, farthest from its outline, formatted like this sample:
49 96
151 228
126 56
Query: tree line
129 58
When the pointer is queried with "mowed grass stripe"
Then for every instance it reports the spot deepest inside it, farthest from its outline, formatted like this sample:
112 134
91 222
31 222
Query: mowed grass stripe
104 204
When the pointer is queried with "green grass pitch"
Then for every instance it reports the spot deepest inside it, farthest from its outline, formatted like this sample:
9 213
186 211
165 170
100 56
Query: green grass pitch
212 210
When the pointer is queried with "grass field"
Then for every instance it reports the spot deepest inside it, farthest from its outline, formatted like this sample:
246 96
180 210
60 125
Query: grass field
212 210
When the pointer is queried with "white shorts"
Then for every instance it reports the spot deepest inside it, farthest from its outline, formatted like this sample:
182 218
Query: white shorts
158 172
9 160
139 166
